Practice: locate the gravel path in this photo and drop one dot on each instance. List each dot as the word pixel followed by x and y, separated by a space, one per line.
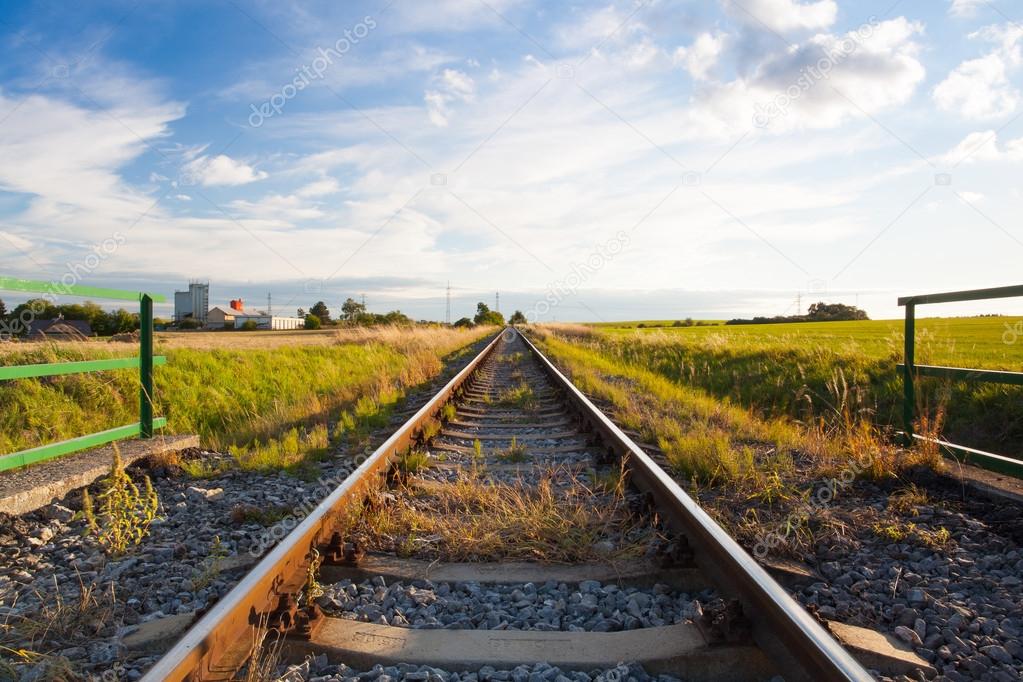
pixel 588 606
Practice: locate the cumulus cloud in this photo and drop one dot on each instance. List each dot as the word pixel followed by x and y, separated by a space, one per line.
pixel 700 57
pixel 980 88
pixel 784 15
pixel 220 170
pixel 820 82
pixel 451 86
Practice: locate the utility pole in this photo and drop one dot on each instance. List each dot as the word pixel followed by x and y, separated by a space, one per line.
pixel 269 304
pixel 364 301
pixel 799 303
pixel 447 310
pixel 497 301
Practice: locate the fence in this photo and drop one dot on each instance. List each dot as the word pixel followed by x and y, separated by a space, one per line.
pixel 145 362
pixel 911 371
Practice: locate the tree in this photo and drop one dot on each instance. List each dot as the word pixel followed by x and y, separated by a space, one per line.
pixel 321 311
pixel 829 312
pixel 463 322
pixel 301 312
pixel 312 322
pixel 352 310
pixel 517 318
pixel 484 315
pixel 3 310
pixel 250 326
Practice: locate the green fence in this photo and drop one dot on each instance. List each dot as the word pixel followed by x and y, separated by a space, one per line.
pixel 145 362
pixel 911 371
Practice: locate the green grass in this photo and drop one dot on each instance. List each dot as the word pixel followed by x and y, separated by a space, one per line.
pixel 271 405
pixel 824 370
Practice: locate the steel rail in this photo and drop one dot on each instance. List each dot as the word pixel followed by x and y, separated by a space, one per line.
pixel 781 627
pixel 216 645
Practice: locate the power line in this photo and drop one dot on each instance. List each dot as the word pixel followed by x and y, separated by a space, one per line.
pixel 447 312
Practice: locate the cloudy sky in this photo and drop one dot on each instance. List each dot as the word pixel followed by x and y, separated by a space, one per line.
pixel 589 160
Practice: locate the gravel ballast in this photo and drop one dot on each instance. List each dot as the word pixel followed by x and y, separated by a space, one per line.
pixel 587 606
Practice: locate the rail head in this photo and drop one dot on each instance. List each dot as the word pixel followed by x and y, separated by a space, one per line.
pixel 222 632
pixel 786 629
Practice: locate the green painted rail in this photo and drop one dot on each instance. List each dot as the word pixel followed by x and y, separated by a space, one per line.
pixel 59 368
pixel 145 362
pixel 912 371
pixel 52 450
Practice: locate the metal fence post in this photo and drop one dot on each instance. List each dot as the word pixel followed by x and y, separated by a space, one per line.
pixel 908 371
pixel 146 366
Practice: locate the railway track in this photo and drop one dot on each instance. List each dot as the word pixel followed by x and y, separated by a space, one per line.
pixel 509 523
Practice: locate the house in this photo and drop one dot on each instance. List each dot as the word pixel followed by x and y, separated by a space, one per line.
pixel 236 316
pixel 59 329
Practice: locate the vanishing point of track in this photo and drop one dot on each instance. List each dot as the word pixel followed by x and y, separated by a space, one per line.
pixel 752 630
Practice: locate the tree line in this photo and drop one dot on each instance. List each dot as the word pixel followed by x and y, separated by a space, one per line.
pixel 818 312
pixel 103 322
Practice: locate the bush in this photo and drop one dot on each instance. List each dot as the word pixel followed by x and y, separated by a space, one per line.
pixel 249 326
pixel 189 323
pixel 312 322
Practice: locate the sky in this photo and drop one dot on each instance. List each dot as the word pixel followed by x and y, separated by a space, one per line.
pixel 633 159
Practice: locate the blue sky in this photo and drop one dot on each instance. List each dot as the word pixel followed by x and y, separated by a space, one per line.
pixel 589 160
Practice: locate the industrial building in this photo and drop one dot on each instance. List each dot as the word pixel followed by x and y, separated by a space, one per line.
pixel 192 304
pixel 235 317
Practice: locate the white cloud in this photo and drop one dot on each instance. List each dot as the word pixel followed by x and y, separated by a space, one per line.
pixel 964 8
pixel 700 57
pixel 978 89
pixel 867 72
pixel 983 146
pixel 182 197
pixel 452 85
pixel 319 188
pixel 220 170
pixel 15 241
pixel 784 15
pixel 276 206
pixel 972 197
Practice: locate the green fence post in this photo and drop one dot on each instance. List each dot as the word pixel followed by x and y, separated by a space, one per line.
pixel 146 366
pixel 909 392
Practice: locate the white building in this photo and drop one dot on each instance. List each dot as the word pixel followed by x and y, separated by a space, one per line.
pixel 264 321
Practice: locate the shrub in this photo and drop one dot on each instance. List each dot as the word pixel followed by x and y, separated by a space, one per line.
pixel 249 326
pixel 312 322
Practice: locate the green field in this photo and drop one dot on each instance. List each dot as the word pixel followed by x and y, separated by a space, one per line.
pixel 828 370
pixel 962 342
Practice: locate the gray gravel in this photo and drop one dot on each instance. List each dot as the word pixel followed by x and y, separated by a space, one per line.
pixel 959 606
pixel 587 606
pixel 320 670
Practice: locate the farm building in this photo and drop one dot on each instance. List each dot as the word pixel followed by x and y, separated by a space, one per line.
pixel 236 316
pixel 59 329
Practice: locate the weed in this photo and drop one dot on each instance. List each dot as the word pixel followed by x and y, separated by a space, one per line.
pixel 521 396
pixel 242 514
pixel 412 461
pixel 267 648
pixel 477 449
pixel 906 500
pixel 313 588
pixel 448 412
pixel 124 513
pixel 431 428
pixel 515 453
pixel 211 564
